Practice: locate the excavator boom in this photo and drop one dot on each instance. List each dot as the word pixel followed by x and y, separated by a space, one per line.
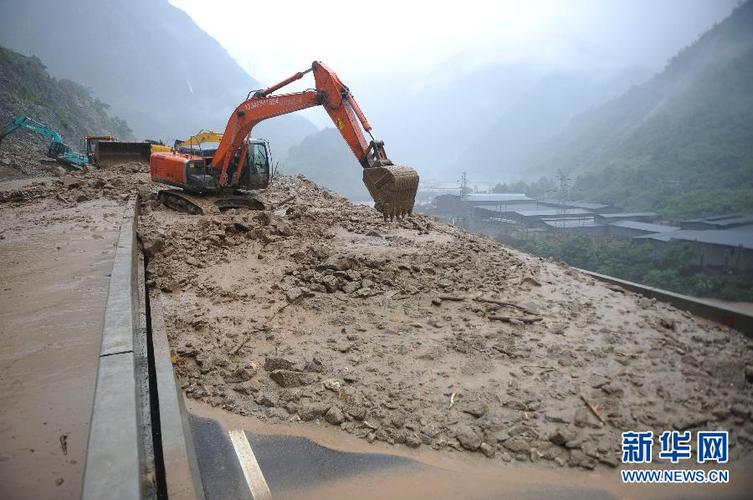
pixel 393 188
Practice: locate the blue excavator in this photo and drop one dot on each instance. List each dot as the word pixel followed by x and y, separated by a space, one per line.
pixel 57 150
pixel 101 150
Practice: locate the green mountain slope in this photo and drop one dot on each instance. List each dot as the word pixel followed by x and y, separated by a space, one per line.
pixel 27 89
pixel 682 142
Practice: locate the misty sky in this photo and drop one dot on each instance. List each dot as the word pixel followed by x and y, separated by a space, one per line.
pixel 414 41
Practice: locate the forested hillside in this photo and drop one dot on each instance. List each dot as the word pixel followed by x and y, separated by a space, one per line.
pixel 681 143
pixel 27 89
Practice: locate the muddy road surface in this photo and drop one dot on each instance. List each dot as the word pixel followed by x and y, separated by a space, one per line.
pixel 56 263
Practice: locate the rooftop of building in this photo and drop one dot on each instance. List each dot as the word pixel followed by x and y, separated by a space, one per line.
pixel 734 237
pixel 644 226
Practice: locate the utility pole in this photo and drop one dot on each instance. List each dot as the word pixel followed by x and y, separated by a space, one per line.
pixel 564 187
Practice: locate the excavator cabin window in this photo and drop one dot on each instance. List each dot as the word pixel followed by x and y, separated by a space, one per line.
pixel 259 160
pixel 256 175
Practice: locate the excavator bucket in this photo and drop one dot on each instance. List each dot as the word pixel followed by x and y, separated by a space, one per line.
pixel 393 188
pixel 109 153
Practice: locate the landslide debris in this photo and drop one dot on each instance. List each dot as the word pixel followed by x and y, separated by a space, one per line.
pixel 416 333
pixel 69 188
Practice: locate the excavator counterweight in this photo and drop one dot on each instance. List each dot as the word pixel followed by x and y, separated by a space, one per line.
pixel 241 163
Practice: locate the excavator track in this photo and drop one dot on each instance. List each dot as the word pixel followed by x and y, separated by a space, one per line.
pixel 207 204
pixel 393 188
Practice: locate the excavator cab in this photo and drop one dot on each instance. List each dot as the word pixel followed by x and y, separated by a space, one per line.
pixel 258 165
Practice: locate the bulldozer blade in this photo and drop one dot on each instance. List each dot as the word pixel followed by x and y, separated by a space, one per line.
pixel 108 153
pixel 393 189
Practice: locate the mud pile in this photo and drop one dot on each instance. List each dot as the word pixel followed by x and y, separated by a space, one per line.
pixel 419 334
pixel 118 183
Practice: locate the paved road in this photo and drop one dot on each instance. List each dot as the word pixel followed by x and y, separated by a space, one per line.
pixel 296 467
pixel 283 466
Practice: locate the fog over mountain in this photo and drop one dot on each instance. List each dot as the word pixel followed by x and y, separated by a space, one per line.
pixel 484 90
pixel 682 142
pixel 156 68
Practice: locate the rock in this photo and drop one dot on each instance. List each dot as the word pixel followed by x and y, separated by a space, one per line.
pixel 345 263
pixel 584 418
pixel 365 292
pixel 153 247
pixel 310 411
pixel 247 388
pixel 558 328
pixel 487 450
pixel 475 408
pixel 294 294
pixel 684 422
pixel 334 416
pixel 144 192
pixel 289 394
pixel 331 283
pixel 288 378
pixel 467 437
pixel 168 285
pixel 272 363
pixel 350 287
pixel 315 366
pixel 265 399
pixel 357 412
pixel 70 182
pixel 721 412
pixel 517 445
pixel 580 459
pixel 332 384
pixel 561 436
pixel 412 440
pixel 398 420
pixel 281 227
pixel 239 375
pixel 749 373
pixel 556 417
pixel 667 323
pixel 740 411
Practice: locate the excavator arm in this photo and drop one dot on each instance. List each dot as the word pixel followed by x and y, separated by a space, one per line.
pixel 199 138
pixel 393 188
pixel 56 150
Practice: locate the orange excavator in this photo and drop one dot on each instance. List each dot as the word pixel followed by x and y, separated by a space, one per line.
pixel 240 165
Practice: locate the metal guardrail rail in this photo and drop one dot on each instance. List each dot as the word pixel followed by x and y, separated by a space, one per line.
pixel 140 444
pixel 732 318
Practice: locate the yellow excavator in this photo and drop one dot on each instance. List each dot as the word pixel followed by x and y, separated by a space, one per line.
pixel 195 141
